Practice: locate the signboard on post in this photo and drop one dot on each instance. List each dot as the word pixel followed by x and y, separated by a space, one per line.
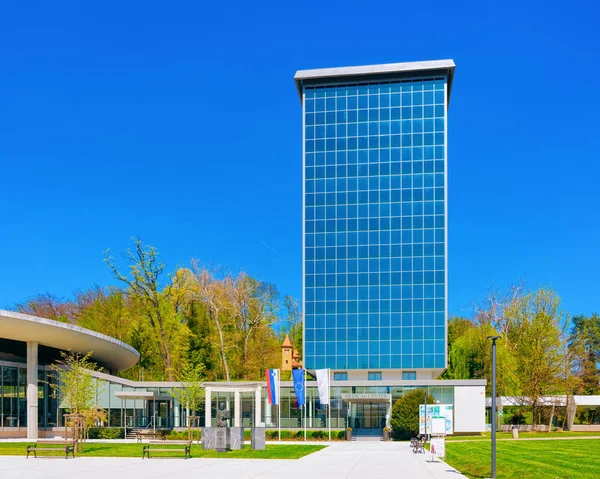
pixel 440 419
pixel 438 447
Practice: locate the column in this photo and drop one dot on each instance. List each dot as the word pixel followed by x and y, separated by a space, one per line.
pixel 257 407
pixel 32 390
pixel 237 412
pixel 207 407
pixel 176 413
pixel 268 412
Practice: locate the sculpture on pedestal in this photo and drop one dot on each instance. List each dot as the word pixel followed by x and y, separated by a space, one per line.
pixel 222 416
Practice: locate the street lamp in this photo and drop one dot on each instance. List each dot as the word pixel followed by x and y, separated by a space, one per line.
pixel 493 338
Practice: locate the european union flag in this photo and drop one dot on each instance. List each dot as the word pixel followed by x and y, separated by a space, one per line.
pixel 298 377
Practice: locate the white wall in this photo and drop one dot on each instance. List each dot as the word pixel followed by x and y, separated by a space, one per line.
pixel 469 409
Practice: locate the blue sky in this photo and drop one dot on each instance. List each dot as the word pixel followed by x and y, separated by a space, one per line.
pixel 179 122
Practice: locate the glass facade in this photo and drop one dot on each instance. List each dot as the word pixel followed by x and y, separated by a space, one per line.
pixel 375 224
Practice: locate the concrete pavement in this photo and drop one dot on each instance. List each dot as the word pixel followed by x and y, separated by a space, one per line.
pixel 355 460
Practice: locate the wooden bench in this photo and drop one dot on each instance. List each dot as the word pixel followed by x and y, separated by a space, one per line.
pixel 184 446
pixel 149 434
pixel 52 445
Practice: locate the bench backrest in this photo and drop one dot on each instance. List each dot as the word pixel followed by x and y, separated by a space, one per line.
pixel 170 442
pixel 54 442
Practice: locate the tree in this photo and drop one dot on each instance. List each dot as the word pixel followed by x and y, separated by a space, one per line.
pixel 293 322
pixel 191 392
pixel 49 306
pixel 160 308
pixel 584 342
pixel 536 337
pixel 73 383
pixel 215 293
pixel 254 305
pixel 405 414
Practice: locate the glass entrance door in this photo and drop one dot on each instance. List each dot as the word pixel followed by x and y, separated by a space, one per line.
pixel 370 415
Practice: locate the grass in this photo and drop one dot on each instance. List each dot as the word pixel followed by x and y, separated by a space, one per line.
pixel 535 435
pixel 574 459
pixel 272 451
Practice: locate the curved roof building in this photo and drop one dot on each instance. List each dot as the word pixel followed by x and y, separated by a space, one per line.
pixel 33 342
pixel 17 330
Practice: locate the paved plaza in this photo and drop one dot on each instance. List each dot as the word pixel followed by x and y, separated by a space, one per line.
pixel 357 460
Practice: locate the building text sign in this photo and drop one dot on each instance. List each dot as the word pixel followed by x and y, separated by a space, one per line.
pixel 380 396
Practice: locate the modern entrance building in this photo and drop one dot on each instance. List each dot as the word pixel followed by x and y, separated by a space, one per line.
pixel 28 408
pixel 375 218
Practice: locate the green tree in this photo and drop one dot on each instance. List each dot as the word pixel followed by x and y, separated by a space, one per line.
pixel 159 307
pixel 584 342
pixel 73 383
pixel 405 414
pixel 191 392
pixel 536 338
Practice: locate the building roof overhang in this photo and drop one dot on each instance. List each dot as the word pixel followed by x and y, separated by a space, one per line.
pixel 108 352
pixel 374 73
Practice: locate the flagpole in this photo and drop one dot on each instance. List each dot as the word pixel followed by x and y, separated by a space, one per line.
pixel 329 405
pixel 279 402
pixel 304 405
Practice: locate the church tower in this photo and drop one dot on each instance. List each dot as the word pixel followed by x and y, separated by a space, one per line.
pixel 286 354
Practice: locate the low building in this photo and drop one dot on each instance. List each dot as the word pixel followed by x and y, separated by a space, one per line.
pixel 29 345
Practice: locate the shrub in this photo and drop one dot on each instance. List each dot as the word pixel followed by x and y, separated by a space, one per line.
pixel 183 435
pixel 405 414
pixel 106 433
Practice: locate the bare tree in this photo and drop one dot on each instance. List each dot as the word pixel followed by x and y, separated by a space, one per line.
pixel 254 304
pixel 495 307
pixel 213 293
pixel 49 306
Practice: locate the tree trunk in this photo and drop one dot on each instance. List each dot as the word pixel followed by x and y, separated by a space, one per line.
pixel 223 354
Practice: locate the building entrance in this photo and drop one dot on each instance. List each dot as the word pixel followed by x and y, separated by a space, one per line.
pixel 368 415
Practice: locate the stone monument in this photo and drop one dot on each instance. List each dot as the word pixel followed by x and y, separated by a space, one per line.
pixel 222 431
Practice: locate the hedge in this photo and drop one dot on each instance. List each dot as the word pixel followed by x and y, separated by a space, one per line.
pixel 106 433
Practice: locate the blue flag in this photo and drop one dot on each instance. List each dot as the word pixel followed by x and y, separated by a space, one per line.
pixel 298 376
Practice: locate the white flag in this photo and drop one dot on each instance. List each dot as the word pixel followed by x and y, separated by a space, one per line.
pixel 323 384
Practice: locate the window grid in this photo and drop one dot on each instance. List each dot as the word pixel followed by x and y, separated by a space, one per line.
pixel 375 225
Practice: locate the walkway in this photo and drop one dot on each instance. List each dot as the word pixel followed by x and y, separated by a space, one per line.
pixel 356 460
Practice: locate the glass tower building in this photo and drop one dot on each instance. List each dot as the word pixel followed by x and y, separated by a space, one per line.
pixel 375 218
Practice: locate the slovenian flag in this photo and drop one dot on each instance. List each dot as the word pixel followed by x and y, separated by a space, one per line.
pixel 273 385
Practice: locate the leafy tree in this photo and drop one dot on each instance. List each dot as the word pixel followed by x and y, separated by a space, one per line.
pixel 73 383
pixel 191 392
pixel 159 307
pixel 584 342
pixel 536 337
pixel 405 414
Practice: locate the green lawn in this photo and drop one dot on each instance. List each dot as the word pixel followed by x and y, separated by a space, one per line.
pixel 575 459
pixel 283 451
pixel 508 435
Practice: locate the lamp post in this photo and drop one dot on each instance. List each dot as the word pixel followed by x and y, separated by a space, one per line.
pixel 494 339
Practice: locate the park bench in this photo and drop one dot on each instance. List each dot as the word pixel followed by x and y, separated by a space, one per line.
pixel 52 445
pixel 146 433
pixel 167 446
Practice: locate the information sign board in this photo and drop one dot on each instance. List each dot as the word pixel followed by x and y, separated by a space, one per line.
pixel 437 412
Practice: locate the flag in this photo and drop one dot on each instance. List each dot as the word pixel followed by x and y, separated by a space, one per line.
pixel 273 385
pixel 298 377
pixel 323 385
